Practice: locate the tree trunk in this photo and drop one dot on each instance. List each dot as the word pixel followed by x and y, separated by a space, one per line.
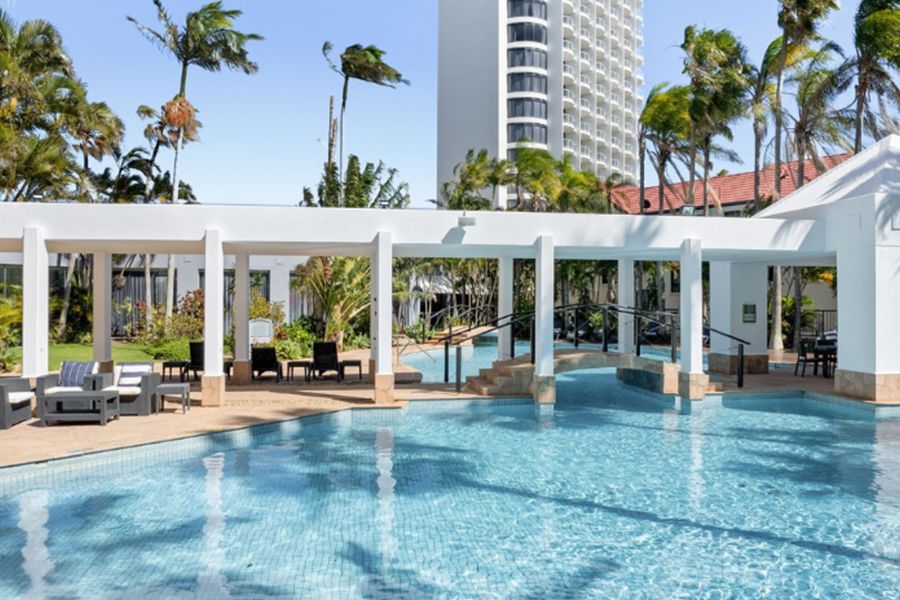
pixel 757 165
pixel 775 341
pixel 148 293
pixel 341 142
pixel 62 321
pixel 642 151
pixel 860 108
pixel 706 144
pixel 692 172
pixel 779 117
pixel 661 175
pixel 170 288
pixel 660 287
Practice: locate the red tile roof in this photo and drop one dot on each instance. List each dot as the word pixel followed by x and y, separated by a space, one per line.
pixel 728 189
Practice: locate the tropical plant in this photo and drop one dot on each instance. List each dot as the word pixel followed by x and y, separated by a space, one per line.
pixel 665 121
pixel 716 64
pixel 363 63
pixel 369 186
pixel 760 107
pixel 876 34
pixel 799 21
pixel 339 288
pixel 209 41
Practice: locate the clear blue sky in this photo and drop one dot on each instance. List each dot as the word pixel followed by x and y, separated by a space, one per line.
pixel 260 137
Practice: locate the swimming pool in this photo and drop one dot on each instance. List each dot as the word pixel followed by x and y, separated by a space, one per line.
pixel 617 494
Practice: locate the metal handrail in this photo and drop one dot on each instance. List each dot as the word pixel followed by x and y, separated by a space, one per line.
pixel 514 318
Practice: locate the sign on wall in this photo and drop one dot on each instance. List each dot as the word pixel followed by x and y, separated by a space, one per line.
pixel 749 313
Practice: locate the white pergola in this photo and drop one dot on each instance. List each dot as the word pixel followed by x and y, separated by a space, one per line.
pixel 847 217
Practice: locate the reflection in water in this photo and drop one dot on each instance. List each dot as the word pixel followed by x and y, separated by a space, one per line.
pixel 384 462
pixel 886 466
pixel 33 517
pixel 698 426
pixel 211 583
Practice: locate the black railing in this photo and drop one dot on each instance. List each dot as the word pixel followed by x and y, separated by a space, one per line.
pixel 661 319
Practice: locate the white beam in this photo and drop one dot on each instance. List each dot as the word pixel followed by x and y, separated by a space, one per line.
pixel 213 294
pixel 35 303
pixel 505 276
pixel 241 307
pixel 626 298
pixel 382 264
pixel 543 306
pixel 691 309
pixel 102 313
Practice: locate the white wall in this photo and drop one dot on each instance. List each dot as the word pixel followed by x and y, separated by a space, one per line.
pixel 471 84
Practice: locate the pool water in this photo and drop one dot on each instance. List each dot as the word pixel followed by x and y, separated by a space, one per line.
pixel 616 494
pixel 483 353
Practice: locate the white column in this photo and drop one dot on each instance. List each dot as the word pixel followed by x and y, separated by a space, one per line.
pixel 738 297
pixel 373 316
pixel 543 308
pixel 241 307
pixel 102 313
pixel 35 303
pixel 214 319
pixel 691 309
pixel 505 272
pixel 868 321
pixel 383 301
pixel 626 298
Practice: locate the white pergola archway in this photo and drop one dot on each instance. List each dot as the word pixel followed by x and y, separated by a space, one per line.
pixel 809 228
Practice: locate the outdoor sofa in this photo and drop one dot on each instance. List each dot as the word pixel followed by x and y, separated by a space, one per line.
pixel 15 401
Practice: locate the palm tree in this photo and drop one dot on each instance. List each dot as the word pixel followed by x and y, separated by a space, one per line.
pixel 815 126
pixel 605 188
pixel 717 66
pixel 207 40
pixel 666 120
pixel 799 21
pixel 339 288
pixel 876 31
pixel 643 135
pixel 760 106
pixel 363 63
pixel 98 133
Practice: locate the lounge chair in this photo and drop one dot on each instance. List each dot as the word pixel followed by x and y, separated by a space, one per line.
pixel 136 384
pixel 72 377
pixel 806 354
pixel 263 360
pixel 325 358
pixel 15 401
pixel 196 364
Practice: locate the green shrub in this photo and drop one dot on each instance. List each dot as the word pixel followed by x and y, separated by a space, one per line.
pixel 7 360
pixel 356 341
pixel 178 349
pixel 419 331
pixel 291 350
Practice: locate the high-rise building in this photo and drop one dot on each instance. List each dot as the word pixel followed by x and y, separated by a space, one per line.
pixel 565 74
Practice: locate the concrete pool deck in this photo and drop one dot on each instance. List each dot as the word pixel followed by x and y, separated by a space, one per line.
pixel 266 401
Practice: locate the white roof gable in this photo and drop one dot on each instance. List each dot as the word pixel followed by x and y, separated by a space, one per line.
pixel 873 171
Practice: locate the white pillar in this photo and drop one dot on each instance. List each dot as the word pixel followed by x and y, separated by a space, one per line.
pixel 544 380
pixel 868 321
pixel 373 317
pixel 241 307
pixel 382 265
pixel 738 306
pixel 691 309
pixel 626 298
pixel 505 273
pixel 214 319
pixel 102 313
pixel 35 303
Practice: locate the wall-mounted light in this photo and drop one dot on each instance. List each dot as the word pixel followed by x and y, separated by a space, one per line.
pixel 466 221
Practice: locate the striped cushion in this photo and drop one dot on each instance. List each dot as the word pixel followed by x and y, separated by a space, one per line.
pixel 72 374
pixel 131 375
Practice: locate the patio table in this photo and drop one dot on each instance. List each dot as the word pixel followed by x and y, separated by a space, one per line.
pixel 96 405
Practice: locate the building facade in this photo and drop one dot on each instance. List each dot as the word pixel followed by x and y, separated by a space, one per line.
pixel 564 75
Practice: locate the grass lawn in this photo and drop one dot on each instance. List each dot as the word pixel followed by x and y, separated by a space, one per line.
pixel 83 352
